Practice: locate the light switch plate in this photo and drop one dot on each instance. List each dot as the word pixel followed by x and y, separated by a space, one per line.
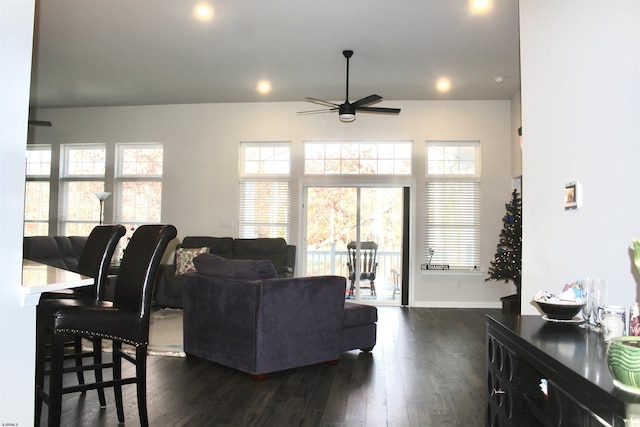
pixel 572 195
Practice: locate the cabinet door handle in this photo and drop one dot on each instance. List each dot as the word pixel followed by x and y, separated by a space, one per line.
pixel 494 392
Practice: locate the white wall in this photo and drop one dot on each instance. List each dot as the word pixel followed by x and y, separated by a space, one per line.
pixel 17 324
pixel 580 113
pixel 201 164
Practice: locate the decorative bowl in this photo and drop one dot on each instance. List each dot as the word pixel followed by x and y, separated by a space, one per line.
pixel 623 359
pixel 559 310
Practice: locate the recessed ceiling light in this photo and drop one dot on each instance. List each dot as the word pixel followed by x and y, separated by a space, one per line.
pixel 264 87
pixel 443 85
pixel 203 11
pixel 480 6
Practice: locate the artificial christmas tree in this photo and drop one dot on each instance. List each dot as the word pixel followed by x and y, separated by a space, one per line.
pixel 507 263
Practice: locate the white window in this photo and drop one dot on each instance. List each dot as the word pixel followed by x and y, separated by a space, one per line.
pixel 82 173
pixel 265 188
pixel 138 184
pixel 36 201
pixel 359 158
pixel 452 204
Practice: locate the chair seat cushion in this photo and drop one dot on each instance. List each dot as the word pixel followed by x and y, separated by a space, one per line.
pixel 86 316
pixel 358 314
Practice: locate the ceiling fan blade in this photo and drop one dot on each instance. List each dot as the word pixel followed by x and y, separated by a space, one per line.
pixel 324 110
pixel 321 102
pixel 367 100
pixel 379 110
pixel 45 123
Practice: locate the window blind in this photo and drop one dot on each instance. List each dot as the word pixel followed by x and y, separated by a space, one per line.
pixel 264 209
pixel 452 223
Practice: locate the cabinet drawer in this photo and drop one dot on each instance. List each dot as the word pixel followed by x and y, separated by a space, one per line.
pixel 501 359
pixel 566 412
pixel 501 408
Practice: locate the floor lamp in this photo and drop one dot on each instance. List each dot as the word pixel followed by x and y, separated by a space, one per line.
pixel 102 196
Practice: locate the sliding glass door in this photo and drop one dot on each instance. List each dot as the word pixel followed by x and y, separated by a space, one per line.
pixel 356 232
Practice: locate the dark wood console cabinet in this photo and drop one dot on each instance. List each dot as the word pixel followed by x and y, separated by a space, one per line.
pixel 523 350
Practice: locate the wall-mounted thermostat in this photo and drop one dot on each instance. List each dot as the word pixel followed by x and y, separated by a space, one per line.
pixel 572 195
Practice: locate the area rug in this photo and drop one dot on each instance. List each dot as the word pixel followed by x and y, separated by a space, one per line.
pixel 165 335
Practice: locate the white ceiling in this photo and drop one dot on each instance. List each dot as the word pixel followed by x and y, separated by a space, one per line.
pixel 144 52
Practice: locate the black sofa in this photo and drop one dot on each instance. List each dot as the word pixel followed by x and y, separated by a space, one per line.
pixel 62 252
pixel 170 284
pixel 58 251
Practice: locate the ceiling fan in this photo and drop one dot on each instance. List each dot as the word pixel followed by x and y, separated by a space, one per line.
pixel 347 110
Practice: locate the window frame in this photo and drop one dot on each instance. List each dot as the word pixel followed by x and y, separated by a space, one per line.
pixel 463 220
pixel 351 158
pixel 41 225
pixel 66 178
pixel 249 227
pixel 120 179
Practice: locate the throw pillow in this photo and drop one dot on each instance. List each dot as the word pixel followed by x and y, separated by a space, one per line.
pixel 184 259
pixel 217 266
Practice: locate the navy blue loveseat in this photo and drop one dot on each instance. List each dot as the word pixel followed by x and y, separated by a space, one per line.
pixel 240 314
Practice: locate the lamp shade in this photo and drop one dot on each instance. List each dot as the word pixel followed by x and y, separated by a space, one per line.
pixel 102 195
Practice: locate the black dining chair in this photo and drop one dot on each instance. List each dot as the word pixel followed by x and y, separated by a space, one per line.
pixel 368 265
pixel 94 261
pixel 123 320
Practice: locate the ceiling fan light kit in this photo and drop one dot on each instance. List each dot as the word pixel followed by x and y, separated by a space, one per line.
pixel 346 113
pixel 347 110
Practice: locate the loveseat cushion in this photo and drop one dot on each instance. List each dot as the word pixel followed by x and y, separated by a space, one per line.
pixel 216 266
pixel 358 314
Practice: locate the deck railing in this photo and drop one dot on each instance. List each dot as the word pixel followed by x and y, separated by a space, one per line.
pixel 334 262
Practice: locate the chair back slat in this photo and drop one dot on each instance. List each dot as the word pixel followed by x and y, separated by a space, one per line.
pixel 368 255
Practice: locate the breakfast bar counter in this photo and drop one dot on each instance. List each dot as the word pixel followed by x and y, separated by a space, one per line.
pixel 38 278
pixel 526 354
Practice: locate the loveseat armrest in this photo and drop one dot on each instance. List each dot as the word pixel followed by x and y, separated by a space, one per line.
pixel 262 326
pixel 297 320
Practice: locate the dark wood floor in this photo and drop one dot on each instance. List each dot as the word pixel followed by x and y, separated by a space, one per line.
pixel 426 370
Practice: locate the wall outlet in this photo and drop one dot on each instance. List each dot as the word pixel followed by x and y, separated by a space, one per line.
pixel 458 283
